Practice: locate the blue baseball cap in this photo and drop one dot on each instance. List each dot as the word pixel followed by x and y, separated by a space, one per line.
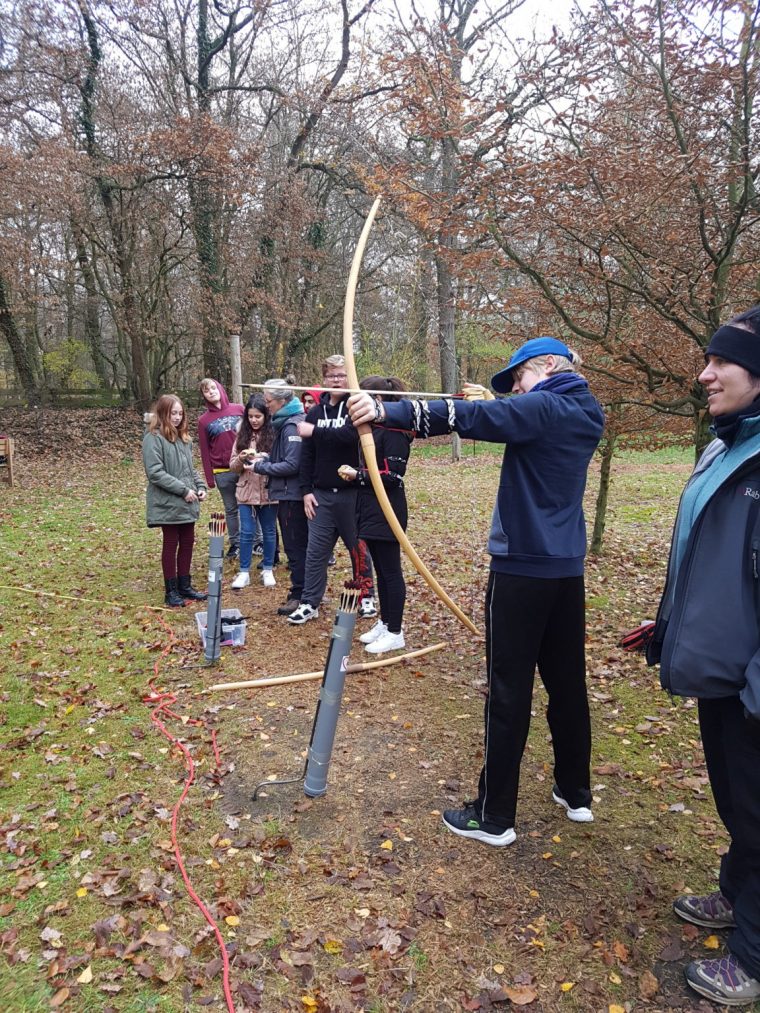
pixel 502 381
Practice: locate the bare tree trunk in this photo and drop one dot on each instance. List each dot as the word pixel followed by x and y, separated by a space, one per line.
pixel 91 315
pixel 702 434
pixel 25 357
pixel 107 189
pixel 608 452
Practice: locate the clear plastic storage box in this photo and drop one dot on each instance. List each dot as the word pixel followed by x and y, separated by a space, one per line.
pixel 233 634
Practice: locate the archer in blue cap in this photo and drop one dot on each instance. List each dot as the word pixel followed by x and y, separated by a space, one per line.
pixel 502 382
pixel 535 601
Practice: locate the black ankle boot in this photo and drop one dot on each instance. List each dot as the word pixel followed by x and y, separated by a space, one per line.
pixel 173 599
pixel 187 590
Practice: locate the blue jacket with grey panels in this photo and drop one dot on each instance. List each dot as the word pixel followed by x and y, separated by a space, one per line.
pixel 707 633
pixel 551 433
pixel 284 461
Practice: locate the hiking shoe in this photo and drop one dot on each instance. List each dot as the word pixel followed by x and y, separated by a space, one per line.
pixel 387 642
pixel 723 980
pixel 367 608
pixel 290 606
pixel 242 580
pixel 232 553
pixel 712 911
pixel 467 823
pixel 375 633
pixel 580 815
pixel 267 578
pixel 303 614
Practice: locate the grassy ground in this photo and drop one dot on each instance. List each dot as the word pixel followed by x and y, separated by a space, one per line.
pixel 359 900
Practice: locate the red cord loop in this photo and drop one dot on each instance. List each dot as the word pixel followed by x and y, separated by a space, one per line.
pixel 163 701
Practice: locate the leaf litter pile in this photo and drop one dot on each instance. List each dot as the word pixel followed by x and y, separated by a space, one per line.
pixel 360 900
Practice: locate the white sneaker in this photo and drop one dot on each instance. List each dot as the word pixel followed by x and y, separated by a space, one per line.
pixel 580 815
pixel 386 642
pixel 367 608
pixel 375 633
pixel 303 614
pixel 242 580
pixel 267 578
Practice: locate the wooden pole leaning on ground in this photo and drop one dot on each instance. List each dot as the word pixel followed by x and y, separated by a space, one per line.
pixel 363 666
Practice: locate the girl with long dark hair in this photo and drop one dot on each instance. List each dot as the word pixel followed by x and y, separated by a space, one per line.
pixel 254 442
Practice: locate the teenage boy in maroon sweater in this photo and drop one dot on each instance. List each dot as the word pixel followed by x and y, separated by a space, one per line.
pixel 217 432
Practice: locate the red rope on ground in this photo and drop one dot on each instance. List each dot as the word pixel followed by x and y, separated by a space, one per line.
pixel 163 701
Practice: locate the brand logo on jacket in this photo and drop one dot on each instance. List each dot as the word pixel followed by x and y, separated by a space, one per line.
pixel 336 423
pixel 749 491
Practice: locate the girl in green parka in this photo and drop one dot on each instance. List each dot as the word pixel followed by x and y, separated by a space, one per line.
pixel 175 490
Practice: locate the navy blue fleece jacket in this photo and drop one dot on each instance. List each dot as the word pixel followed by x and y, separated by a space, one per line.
pixel 538 528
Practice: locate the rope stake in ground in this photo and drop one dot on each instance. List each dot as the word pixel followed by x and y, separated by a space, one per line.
pixel 216 530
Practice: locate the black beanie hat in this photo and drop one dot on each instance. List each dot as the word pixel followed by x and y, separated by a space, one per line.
pixel 739 341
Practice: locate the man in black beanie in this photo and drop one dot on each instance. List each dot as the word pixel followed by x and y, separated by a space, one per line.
pixel 707 643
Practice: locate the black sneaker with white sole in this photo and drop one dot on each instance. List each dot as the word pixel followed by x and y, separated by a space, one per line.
pixel 582 814
pixel 467 823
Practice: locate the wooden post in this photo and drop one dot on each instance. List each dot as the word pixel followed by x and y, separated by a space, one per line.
pixel 236 369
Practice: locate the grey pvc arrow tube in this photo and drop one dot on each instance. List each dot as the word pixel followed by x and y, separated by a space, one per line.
pixel 328 706
pixel 214 604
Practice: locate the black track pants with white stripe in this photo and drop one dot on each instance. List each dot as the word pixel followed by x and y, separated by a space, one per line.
pixel 534 622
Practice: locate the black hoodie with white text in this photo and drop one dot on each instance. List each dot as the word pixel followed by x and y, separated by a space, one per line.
pixel 320 463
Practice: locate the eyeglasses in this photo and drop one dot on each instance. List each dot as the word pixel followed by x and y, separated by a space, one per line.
pixel 336 376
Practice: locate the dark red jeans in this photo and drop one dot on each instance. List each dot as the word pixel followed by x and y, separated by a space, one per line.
pixel 177 551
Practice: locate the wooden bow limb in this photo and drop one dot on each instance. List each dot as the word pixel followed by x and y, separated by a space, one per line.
pixel 362 666
pixel 365 431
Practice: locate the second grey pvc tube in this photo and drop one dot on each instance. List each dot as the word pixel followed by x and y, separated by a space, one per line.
pixel 328 707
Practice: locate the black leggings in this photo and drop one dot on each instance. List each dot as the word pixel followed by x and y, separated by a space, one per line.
pixel 391 588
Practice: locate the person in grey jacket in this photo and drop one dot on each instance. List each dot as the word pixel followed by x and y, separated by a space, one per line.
pixel 175 490
pixel 282 469
pixel 706 640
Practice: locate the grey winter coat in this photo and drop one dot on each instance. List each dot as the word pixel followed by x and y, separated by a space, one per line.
pixel 171 475
pixel 707 634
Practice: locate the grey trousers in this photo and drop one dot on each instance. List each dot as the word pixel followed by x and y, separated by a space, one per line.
pixel 336 517
pixel 226 483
